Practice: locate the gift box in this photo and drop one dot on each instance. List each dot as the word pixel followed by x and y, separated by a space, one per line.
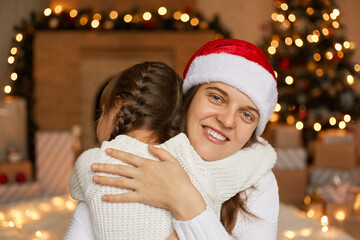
pixel 292 185
pixel 291 158
pixel 283 136
pixel 339 155
pixel 17 172
pixel 320 176
pixel 335 136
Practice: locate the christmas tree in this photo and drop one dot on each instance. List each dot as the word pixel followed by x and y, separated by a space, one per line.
pixel 318 83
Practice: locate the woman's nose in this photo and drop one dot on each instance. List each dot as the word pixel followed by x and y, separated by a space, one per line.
pixel 227 119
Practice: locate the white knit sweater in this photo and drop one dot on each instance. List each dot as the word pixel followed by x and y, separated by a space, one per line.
pixel 217 181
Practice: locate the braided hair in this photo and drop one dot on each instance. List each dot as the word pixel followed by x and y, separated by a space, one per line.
pixel 151 99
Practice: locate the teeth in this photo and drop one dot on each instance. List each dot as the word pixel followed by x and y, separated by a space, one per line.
pixel 215 135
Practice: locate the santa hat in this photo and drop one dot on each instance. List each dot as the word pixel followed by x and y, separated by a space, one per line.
pixel 239 64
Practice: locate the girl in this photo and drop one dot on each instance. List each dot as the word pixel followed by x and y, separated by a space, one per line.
pixel 220 120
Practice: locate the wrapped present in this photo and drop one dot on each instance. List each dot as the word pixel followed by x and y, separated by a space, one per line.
pixel 283 136
pixel 292 185
pixel 291 158
pixel 17 172
pixel 55 157
pixel 320 176
pixel 15 192
pixel 335 136
pixel 339 155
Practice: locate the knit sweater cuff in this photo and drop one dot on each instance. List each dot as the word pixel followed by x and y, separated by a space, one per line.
pixel 204 226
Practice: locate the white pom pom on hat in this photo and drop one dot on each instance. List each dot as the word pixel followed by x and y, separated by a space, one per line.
pixel 239 64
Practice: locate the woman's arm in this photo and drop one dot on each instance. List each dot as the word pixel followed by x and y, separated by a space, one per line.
pixel 80 227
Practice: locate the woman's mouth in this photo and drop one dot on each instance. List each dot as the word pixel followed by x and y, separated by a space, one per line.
pixel 214 136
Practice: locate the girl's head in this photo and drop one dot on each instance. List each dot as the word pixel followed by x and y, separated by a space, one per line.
pixel 147 96
pixel 230 95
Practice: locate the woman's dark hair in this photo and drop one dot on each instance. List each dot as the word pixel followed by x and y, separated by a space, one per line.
pixel 230 208
pixel 151 99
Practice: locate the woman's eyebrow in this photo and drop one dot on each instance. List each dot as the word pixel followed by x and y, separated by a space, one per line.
pixel 218 89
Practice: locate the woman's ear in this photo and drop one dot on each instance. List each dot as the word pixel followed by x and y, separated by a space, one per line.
pixel 118 103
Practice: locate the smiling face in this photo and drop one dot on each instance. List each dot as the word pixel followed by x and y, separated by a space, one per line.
pixel 220 121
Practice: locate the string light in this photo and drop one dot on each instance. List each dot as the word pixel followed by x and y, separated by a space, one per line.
pixel 317 126
pixel 347 118
pixel 113 15
pixel 288 41
pixel 11 60
pixel 325 31
pixel 310 10
pixel 357 67
pixel 274 43
pixel 83 20
pixel 97 16
pixel 317 57
pixel 315 38
pixel 289 80
pixel 14 50
pixel 47 12
pixel 335 24
pixel 194 22
pixel 73 13
pixel 7 89
pixel 277 107
pixel 340 215
pixel 272 50
pixel 326 17
pixel 336 12
pixel 310 213
pixel 332 16
pixel 58 9
pixel 292 17
pixel 128 18
pixel 185 17
pixel 147 16
pixel 274 16
pixel 332 121
pixel 289 234
pixel 290 119
pixel 338 46
pixel 299 42
pixel 177 15
pixel 162 11
pixel 329 55
pixel 299 125
pixel 346 45
pixel 350 79
pixel 19 37
pixel 14 76
pixel 274 117
pixel 280 18
pixel 342 125
pixel 276 74
pixel 95 23
pixel 319 72
pixel 306 232
pixel 324 222
pixel 284 6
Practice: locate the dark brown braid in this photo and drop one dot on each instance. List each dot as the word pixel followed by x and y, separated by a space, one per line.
pixel 151 98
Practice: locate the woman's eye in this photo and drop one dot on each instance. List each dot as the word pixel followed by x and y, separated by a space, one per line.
pixel 216 98
pixel 247 115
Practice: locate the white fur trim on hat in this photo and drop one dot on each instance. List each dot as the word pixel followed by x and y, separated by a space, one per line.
pixel 247 76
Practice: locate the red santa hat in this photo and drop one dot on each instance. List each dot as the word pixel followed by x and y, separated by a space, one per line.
pixel 239 64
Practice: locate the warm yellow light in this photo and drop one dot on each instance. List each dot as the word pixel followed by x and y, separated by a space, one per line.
pixel 219 36
pixel 329 55
pixel 274 16
pixel 291 107
pixel 83 21
pixel 292 17
pixel 194 22
pixel 288 41
pixel 128 18
pixel 47 12
pixel 347 118
pixel 14 76
pixel 95 23
pixel 325 31
pixel 147 16
pixel 73 13
pixel 97 16
pixel 317 126
pixel 326 16
pixel 272 50
pixel 310 10
pixel 11 224
pixel 274 43
pixel 280 18
pixel 317 57
pixel 352 45
pixel 335 24
pixel 324 220
pixel 286 24
pixel 299 125
pixel 314 38
pixel 113 15
pixel 316 32
pixel 7 89
pixel 332 121
pixel 204 25
pixel 13 50
pixel 346 44
pixel 340 54
pixel 319 72
pixel 290 119
pixel 299 42
pixel 38 234
pixel 342 125
pixel 357 202
pixel 310 213
pixel 289 234
pixel 336 12
pixel 325 228
pixel 350 79
pixel 177 15
pixel 338 46
pixel 307 200
pixel 309 38
pixel 58 9
pixel 11 60
pixel 284 6
pixel 332 16
pixel 70 205
pixel 289 80
pixel 19 37
pixel 2 216
pixel 185 17
pixel 162 11
pixel 276 74
pixel 357 67
pixel 277 107
pixel 306 232
pixel 274 117
pixel 340 215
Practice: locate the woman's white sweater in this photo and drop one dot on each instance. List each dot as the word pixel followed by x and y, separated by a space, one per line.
pixel 217 181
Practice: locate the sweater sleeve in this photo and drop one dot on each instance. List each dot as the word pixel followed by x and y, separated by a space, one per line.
pixel 263 201
pixel 80 227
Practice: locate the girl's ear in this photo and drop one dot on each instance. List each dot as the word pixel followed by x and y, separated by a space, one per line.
pixel 118 103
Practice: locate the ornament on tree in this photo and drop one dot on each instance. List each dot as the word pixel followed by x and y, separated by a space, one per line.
pixel 3 179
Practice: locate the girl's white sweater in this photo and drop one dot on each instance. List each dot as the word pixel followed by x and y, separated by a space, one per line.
pixel 217 181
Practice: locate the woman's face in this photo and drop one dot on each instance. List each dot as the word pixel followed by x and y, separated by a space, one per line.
pixel 221 120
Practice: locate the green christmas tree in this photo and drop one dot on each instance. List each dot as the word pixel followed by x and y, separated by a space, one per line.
pixel 318 83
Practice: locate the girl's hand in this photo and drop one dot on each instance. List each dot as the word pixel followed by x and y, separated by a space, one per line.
pixel 162 184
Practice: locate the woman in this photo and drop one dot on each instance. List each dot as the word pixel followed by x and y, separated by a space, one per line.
pixel 233 92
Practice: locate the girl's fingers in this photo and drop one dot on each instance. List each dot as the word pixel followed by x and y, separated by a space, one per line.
pixel 116 169
pixel 125 157
pixel 161 154
pixel 124 197
pixel 119 182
